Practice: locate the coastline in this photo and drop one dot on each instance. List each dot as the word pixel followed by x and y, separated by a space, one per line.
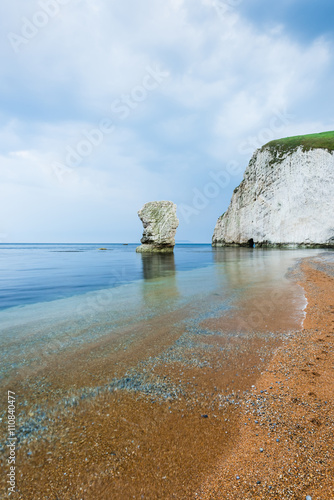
pixel 157 407
pixel 285 448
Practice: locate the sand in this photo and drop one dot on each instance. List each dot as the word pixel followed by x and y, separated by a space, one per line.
pixel 248 415
pixel 286 449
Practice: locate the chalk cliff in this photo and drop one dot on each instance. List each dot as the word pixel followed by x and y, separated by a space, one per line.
pixel 160 223
pixel 285 198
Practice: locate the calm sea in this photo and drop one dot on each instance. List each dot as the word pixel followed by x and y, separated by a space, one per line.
pixel 144 334
pixel 37 273
pixel 32 273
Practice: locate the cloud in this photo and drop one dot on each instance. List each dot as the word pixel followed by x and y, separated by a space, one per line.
pixel 226 80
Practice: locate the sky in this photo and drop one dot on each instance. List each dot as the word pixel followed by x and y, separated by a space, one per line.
pixel 106 105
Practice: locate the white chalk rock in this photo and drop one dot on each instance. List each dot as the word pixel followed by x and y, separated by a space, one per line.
pixel 285 199
pixel 160 223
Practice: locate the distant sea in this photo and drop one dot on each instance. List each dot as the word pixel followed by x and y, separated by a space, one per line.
pixel 36 273
pixel 32 273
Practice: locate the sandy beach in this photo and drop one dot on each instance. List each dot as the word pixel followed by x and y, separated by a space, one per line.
pixel 239 407
pixel 285 447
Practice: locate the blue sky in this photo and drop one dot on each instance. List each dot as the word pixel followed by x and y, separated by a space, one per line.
pixel 105 105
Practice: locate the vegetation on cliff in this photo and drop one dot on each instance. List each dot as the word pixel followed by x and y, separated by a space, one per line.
pixel 324 140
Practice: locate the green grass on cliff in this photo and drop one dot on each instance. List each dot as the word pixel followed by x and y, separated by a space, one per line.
pixel 325 140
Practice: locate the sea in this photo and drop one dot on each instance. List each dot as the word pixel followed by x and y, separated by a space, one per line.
pixel 43 272
pixel 97 336
pixel 33 273
pixel 46 289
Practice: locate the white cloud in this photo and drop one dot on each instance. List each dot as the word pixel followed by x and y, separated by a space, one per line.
pixel 226 82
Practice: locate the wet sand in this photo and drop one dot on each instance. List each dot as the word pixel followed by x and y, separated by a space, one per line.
pixel 159 441
pixel 162 414
pixel 285 446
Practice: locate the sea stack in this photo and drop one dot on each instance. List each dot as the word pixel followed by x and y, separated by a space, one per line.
pixel 160 223
pixel 285 198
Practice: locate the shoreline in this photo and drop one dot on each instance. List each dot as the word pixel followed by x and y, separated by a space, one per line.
pixel 152 409
pixel 285 450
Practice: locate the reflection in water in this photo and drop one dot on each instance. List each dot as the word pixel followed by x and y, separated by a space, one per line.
pixel 157 265
pixel 227 254
pixel 266 296
pixel 249 266
pixel 244 266
pixel 159 288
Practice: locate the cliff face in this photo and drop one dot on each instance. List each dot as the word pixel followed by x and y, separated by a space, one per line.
pixel 285 199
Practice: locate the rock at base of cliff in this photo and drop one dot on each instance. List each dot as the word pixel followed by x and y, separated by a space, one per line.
pixel 154 249
pixel 160 223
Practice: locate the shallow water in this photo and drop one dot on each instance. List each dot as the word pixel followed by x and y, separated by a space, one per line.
pixel 32 273
pixel 178 330
pixel 208 282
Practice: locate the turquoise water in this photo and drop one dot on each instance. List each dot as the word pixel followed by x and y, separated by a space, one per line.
pixel 66 295
pixel 70 276
pixel 69 304
pixel 32 273
pixel 80 326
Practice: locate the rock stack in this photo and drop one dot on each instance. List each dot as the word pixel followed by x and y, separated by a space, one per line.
pixel 160 223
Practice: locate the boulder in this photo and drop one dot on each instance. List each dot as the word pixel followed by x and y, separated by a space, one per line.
pixel 160 223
